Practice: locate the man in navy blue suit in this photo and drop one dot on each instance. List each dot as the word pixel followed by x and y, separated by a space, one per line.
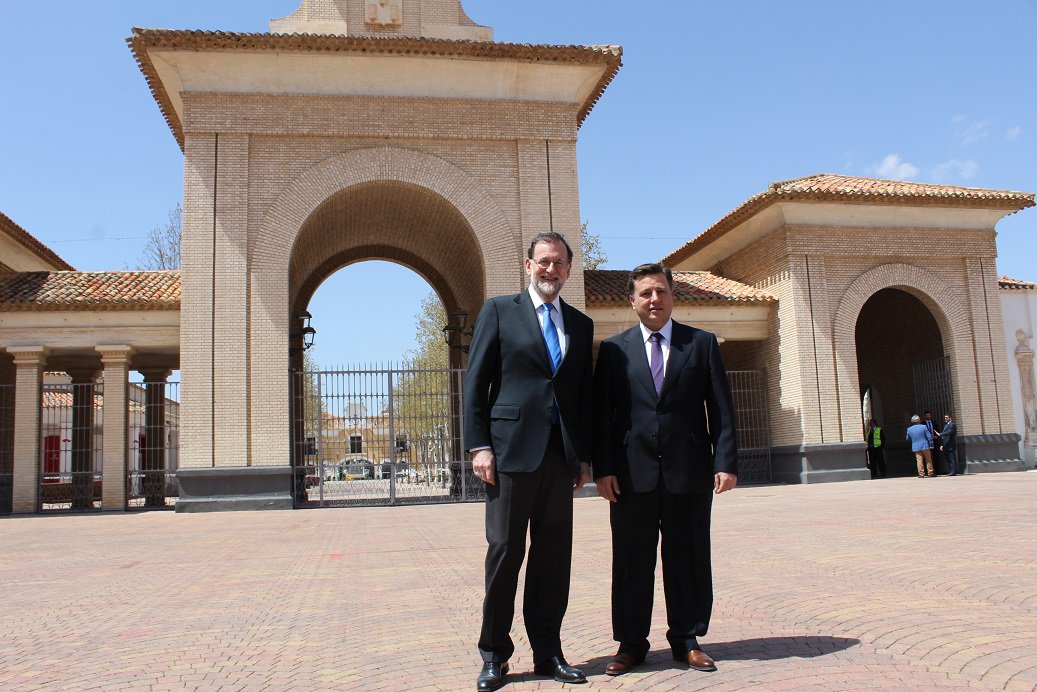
pixel 664 444
pixel 527 421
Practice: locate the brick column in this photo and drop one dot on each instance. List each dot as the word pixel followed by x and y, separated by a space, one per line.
pixel 83 447
pixel 116 360
pixel 153 453
pixel 28 362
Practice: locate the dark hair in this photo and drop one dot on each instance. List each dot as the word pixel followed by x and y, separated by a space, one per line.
pixel 549 237
pixel 643 270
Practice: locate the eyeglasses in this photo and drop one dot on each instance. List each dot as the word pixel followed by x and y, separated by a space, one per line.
pixel 546 264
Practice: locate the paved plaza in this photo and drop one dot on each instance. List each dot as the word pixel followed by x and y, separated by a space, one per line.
pixel 892 584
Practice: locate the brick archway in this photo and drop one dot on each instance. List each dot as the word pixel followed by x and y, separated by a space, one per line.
pixel 950 314
pixel 481 229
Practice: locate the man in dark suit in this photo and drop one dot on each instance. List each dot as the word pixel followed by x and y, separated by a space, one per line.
pixel 664 443
pixel 527 422
pixel 949 444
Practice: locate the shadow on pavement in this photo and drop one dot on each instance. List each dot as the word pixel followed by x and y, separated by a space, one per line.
pixel 771 648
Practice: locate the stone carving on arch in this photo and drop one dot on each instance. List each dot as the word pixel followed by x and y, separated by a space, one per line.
pixel 949 312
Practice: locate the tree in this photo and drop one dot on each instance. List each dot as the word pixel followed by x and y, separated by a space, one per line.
pixel 421 393
pixel 162 248
pixel 593 254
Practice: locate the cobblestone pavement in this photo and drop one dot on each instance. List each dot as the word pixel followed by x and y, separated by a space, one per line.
pixel 891 584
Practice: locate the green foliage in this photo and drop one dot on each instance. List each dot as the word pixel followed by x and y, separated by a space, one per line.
pixel 593 254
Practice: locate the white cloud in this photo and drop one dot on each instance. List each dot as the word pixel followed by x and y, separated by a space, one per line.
pixel 955 169
pixel 893 168
pixel 1013 133
pixel 971 133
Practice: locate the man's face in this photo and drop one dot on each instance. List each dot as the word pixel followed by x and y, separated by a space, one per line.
pixel 946 419
pixel 928 416
pixel 652 301
pixel 548 269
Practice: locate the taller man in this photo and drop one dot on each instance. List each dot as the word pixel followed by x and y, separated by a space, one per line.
pixel 527 426
pixel 664 443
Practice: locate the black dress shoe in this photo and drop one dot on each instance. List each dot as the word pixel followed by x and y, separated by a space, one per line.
pixel 492 676
pixel 557 668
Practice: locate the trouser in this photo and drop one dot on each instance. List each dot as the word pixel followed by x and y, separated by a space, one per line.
pixel 542 502
pixel 952 460
pixel 877 462
pixel 638 519
pixel 924 460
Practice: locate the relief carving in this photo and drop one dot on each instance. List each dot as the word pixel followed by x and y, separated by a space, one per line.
pixel 384 12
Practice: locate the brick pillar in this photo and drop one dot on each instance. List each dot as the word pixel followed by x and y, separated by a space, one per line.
pixel 116 360
pixel 28 362
pixel 83 447
pixel 153 453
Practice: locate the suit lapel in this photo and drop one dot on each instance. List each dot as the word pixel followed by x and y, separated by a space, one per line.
pixel 681 347
pixel 527 317
pixel 638 358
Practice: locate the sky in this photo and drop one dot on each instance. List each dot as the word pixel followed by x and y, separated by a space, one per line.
pixel 741 92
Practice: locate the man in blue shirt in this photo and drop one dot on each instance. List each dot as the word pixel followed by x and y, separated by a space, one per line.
pixel 921 445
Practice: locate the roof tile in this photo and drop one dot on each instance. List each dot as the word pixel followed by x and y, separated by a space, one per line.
pixel 127 290
pixel 609 287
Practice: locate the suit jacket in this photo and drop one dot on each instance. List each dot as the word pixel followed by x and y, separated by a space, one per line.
pixel 509 388
pixel 949 437
pixel 640 436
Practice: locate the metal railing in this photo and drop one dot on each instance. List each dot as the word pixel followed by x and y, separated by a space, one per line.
pixel 749 391
pixel 154 445
pixel 6 448
pixel 71 454
pixel 379 437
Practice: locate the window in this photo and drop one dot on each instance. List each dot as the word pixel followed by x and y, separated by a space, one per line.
pixel 356 444
pixel 401 443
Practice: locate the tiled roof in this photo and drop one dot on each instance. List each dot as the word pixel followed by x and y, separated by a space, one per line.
pixel 170 39
pixel 829 187
pixel 1015 284
pixel 128 290
pixel 609 287
pixel 22 236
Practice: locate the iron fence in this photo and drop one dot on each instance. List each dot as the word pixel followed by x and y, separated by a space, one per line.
pixel 749 391
pixel 154 445
pixel 71 429
pixel 6 448
pixel 379 437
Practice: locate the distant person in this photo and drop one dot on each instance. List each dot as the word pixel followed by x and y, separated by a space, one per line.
pixel 930 425
pixel 949 444
pixel 921 445
pixel 876 439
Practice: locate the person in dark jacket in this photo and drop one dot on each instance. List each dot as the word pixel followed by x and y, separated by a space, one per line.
pixel 949 444
pixel 876 439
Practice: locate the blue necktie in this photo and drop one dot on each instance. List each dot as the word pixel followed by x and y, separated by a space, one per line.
pixel 554 349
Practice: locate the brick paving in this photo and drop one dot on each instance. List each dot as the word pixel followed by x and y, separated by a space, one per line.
pixel 892 584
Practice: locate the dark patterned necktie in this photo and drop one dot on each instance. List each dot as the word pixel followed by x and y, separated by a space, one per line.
pixel 655 363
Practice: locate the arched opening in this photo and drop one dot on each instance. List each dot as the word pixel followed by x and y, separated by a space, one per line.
pixel 385 432
pixel 903 369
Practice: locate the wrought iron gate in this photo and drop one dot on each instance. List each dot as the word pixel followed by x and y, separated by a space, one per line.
pixel 71 427
pixel 749 390
pixel 932 383
pixel 379 437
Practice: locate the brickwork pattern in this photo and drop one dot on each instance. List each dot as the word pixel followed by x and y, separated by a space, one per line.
pixel 115 425
pixel 28 390
pixel 389 598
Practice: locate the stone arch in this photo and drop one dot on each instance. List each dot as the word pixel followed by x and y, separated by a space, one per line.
pixel 272 247
pixel 951 317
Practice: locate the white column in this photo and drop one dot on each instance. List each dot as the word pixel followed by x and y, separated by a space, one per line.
pixel 116 361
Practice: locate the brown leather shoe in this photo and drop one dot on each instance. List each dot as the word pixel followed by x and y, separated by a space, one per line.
pixel 698 660
pixel 622 663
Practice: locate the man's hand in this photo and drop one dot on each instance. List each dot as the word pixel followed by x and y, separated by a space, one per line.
pixel 724 482
pixel 608 487
pixel 484 465
pixel 585 476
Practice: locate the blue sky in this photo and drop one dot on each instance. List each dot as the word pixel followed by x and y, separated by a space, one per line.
pixel 745 92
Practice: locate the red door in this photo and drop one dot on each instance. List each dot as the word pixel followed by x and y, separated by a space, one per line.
pixel 51 455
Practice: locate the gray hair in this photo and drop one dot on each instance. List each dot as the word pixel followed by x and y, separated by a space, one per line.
pixel 916 419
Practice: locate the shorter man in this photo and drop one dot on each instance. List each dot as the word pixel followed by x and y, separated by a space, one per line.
pixel 664 444
pixel 949 444
pixel 921 445
pixel 876 439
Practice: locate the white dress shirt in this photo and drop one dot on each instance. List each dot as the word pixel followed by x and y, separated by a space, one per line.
pixel 666 331
pixel 556 317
